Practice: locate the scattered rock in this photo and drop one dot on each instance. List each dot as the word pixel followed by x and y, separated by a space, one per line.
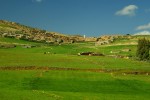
pixel 28 46
pixel 7 46
pixel 90 54
pixel 126 50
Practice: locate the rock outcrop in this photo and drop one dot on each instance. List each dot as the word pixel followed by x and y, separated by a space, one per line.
pixel 18 31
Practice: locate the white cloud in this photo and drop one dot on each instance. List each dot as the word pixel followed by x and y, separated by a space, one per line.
pixel 127 11
pixel 143 27
pixel 143 33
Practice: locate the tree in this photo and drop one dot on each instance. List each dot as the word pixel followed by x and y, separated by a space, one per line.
pixel 143 49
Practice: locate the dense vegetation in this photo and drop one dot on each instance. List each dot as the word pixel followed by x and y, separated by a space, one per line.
pixel 143 49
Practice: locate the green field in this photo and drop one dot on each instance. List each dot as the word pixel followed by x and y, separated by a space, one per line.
pixel 72 84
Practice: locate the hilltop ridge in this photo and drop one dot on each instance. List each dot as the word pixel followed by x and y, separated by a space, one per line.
pixel 23 32
pixel 19 31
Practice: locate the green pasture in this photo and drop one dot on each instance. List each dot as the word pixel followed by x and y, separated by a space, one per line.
pixel 17 41
pixel 72 85
pixel 60 56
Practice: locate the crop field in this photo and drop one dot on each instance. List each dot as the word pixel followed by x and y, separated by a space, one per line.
pixel 56 72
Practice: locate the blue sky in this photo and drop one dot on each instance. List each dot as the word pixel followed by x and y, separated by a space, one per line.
pixel 89 17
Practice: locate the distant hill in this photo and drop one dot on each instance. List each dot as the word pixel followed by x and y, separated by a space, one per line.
pixel 19 31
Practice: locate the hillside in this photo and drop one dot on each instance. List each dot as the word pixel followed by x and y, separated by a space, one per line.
pixel 18 31
pixel 22 32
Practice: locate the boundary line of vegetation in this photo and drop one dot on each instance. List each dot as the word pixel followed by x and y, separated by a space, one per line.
pixel 111 71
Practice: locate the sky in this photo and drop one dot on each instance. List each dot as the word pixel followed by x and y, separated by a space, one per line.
pixel 80 17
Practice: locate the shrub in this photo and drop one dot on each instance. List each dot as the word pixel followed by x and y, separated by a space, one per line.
pixel 143 49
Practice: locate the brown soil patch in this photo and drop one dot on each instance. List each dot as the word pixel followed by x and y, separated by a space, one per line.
pixel 49 68
pixel 112 71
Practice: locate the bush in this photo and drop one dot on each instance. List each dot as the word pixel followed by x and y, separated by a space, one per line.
pixel 143 49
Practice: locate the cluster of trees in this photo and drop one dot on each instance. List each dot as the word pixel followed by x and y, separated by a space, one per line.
pixel 143 49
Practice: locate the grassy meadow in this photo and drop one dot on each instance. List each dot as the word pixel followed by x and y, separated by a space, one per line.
pixel 72 85
pixel 42 84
